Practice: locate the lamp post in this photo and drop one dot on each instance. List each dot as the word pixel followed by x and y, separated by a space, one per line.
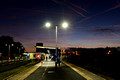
pixel 64 25
pixel 9 49
pixel 56 51
pixel 19 49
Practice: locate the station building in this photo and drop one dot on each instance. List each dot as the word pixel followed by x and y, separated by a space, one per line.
pixel 43 52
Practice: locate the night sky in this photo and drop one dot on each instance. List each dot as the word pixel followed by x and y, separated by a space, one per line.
pixel 92 23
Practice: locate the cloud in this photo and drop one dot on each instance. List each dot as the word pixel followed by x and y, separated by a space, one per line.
pixel 85 19
pixel 116 35
pixel 106 32
pixel 79 7
pixel 78 12
pixel 69 6
pixel 110 25
pixel 98 40
pixel 98 45
pixel 116 25
pixel 105 11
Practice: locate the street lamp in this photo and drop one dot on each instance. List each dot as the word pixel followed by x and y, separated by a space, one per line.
pixel 64 25
pixel 47 24
pixel 19 48
pixel 9 49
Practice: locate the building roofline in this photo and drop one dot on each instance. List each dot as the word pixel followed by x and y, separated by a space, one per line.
pixel 47 47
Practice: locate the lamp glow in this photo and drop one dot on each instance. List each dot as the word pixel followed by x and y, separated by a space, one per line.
pixel 47 24
pixel 65 25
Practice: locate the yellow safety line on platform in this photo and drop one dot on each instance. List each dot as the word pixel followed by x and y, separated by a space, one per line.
pixel 31 71
pixel 80 72
pixel 23 74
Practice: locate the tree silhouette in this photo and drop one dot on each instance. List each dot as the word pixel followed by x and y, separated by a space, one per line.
pixel 16 48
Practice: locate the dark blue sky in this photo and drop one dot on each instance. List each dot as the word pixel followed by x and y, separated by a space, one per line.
pixel 92 23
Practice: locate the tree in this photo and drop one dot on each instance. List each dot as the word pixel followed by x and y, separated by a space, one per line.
pixel 16 48
pixel 4 42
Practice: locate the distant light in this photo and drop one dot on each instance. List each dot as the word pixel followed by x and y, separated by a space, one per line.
pixel 63 52
pixel 109 50
pixel 65 25
pixel 5 44
pixel 12 44
pixel 24 53
pixel 21 47
pixel 47 24
pixel 48 51
pixel 38 55
pixel 68 52
pixel 28 55
pixel 73 52
pixel 108 53
pixel 9 58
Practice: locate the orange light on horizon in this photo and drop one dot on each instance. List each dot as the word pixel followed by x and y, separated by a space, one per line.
pixel 63 52
pixel 68 52
pixel 77 53
pixel 73 52
pixel 109 52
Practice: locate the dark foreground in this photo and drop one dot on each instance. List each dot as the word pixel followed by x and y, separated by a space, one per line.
pixel 47 72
